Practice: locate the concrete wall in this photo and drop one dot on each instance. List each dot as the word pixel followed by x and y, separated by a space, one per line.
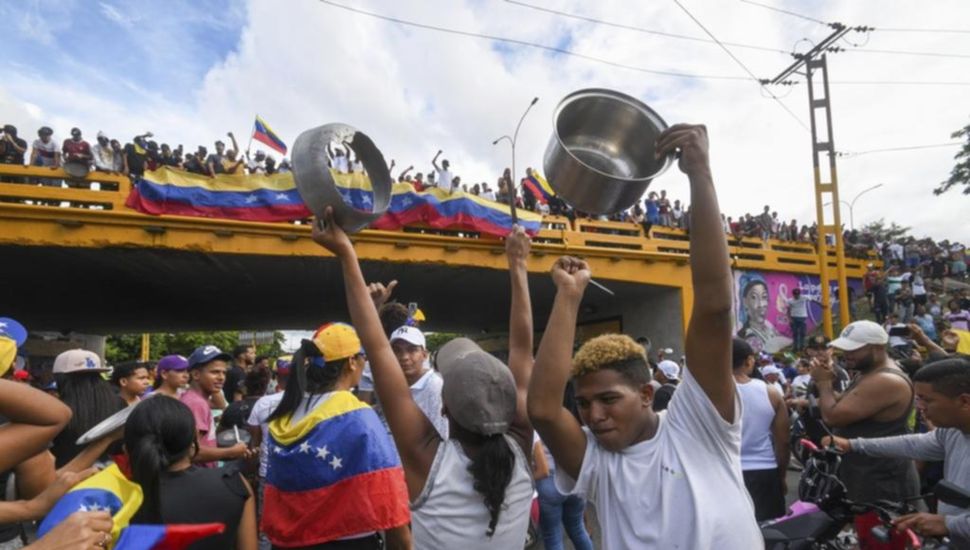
pixel 655 313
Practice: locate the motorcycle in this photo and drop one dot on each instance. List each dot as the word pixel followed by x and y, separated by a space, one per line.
pixel 818 520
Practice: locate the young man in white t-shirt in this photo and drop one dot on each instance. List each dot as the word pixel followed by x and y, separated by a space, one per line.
pixel 445 178
pixel 658 480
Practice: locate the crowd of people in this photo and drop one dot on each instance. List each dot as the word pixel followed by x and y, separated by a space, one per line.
pixel 133 158
pixel 363 439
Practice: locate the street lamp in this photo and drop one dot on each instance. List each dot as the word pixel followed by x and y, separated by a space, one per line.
pixel 512 140
pixel 851 205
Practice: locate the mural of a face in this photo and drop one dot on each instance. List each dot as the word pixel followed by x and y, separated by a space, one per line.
pixel 756 303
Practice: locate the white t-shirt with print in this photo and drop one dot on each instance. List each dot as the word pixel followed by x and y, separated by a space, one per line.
pixel 682 488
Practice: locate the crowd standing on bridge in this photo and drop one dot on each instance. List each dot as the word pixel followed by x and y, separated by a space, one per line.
pixel 365 439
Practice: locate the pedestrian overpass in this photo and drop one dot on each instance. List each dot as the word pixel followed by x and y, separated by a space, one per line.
pixel 77 259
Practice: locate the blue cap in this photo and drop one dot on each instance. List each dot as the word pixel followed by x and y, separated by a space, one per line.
pixel 206 354
pixel 13 330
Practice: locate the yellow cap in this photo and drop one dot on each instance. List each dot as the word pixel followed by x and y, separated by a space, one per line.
pixel 337 341
pixel 8 353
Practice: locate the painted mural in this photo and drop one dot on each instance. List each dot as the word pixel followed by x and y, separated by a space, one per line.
pixel 761 311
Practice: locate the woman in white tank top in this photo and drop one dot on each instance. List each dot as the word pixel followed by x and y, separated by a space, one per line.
pixel 474 490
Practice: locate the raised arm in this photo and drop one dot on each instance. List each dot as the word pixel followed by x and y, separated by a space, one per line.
pixel 34 418
pixel 517 246
pixel 434 161
pixel 235 146
pixel 559 429
pixel 708 343
pixel 414 435
pixel 405 171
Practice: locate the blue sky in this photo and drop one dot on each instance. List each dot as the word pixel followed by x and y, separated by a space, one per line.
pixel 121 49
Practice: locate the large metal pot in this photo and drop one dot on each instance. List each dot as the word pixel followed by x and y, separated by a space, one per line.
pixel 601 157
pixel 316 185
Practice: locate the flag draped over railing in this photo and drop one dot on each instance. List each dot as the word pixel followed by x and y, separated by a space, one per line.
pixel 274 198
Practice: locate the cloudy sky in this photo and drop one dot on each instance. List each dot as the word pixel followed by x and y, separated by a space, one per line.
pixel 192 71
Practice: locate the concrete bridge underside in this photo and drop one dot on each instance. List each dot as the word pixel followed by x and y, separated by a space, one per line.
pixel 127 289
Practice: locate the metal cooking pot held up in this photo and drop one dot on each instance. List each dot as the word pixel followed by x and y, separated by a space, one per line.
pixel 600 158
pixel 315 182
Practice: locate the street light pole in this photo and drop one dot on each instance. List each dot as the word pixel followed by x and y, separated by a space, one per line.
pixel 512 140
pixel 851 205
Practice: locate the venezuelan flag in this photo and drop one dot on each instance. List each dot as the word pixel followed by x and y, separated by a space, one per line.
pixel 258 198
pixel 108 490
pixel 165 537
pixel 264 134
pixel 540 188
pixel 274 198
pixel 436 208
pixel 333 474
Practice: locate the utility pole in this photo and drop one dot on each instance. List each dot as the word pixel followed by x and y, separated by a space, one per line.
pixel 826 190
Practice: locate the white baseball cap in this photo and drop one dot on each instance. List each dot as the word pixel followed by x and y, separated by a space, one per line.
pixel 78 360
pixel 670 369
pixel 770 369
pixel 410 335
pixel 860 333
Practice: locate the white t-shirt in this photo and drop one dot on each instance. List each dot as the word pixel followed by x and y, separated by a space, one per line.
pixel 426 393
pixel 681 489
pixel 798 307
pixel 444 178
pixel 259 416
pixel 799 385
pixel 490 195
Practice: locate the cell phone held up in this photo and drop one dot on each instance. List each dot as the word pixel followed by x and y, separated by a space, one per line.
pixel 900 331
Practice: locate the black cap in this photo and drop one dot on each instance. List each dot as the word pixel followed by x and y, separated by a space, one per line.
pixel 818 342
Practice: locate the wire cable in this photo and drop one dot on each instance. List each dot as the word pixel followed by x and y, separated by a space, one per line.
pixel 708 41
pixel 743 66
pixel 849 154
pixel 798 15
pixel 531 45
pixel 951 31
pixel 641 29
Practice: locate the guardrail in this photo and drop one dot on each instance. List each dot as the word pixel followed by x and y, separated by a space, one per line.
pixel 53 190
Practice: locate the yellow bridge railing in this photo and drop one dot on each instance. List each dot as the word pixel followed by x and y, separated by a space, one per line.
pixel 38 193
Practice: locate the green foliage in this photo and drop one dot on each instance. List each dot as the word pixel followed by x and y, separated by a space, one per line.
pixel 960 175
pixel 124 347
pixel 437 339
pixel 883 233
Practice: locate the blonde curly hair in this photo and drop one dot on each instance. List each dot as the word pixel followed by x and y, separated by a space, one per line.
pixel 604 350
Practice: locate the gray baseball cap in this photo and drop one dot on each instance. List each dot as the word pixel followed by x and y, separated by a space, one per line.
pixel 479 390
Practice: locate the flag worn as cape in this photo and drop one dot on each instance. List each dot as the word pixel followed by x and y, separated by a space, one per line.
pixel 334 473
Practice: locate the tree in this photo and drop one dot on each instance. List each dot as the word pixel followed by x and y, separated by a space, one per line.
pixel 125 347
pixel 960 175
pixel 881 233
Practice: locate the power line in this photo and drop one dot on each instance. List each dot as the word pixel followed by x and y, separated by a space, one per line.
pixel 850 154
pixel 902 82
pixel 666 34
pixel 644 30
pixel 531 45
pixel 901 52
pixel 952 31
pixel 742 65
pixel 798 15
